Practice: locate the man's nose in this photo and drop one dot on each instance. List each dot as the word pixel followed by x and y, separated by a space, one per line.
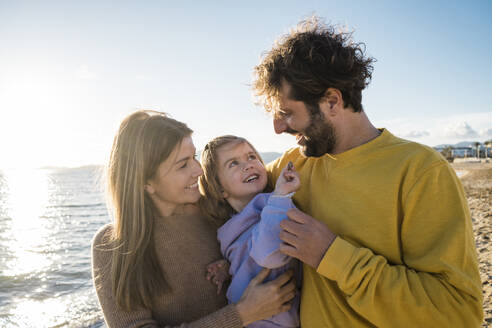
pixel 279 125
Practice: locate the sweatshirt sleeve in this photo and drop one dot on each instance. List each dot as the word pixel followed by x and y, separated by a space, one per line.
pixel 265 239
pixel 438 284
pixel 114 316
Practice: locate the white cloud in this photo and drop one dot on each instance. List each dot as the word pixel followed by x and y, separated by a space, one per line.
pixel 441 130
pixel 460 130
pixel 416 134
pixel 486 132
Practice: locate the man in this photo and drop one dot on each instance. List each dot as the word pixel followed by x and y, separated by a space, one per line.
pixel 385 232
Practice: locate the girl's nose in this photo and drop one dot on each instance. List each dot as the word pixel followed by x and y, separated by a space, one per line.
pixel 247 166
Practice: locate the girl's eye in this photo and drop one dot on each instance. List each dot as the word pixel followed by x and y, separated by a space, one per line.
pixel 184 165
pixel 232 163
pixel 252 157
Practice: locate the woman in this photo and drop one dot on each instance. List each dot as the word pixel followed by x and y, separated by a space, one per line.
pixel 149 266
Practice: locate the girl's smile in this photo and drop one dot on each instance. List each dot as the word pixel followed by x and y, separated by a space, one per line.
pixel 241 173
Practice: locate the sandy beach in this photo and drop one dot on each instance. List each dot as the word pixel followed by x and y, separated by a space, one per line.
pixel 477 181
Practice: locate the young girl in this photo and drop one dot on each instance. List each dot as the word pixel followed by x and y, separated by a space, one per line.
pixel 233 181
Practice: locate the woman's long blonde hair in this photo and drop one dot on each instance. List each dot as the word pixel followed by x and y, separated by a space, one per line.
pixel 144 140
pixel 213 204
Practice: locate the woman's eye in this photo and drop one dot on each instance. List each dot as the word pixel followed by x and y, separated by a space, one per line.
pixel 184 165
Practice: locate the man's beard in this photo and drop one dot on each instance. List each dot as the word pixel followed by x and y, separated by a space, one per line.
pixel 320 137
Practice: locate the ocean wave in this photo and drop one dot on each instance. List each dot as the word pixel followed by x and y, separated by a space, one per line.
pixel 76 205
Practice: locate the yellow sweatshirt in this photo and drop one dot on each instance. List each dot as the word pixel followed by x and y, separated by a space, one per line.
pixel 405 252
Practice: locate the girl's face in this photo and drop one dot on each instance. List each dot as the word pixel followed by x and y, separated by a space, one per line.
pixel 175 182
pixel 241 173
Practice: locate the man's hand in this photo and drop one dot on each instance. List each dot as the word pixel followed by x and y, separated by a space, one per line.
pixel 218 273
pixel 305 238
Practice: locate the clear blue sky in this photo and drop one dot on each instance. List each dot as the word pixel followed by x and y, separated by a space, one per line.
pixel 71 70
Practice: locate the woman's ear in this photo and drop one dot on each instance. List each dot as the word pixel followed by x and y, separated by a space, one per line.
pixel 149 189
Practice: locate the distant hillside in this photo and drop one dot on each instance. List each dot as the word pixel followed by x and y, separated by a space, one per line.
pixel 461 144
pixel 269 156
pixel 266 156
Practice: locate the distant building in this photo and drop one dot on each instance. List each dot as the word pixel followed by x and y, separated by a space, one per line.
pixel 465 152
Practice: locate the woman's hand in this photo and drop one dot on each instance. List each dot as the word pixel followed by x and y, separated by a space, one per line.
pixel 261 301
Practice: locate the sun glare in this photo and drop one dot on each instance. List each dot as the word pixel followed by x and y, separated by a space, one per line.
pixel 34 106
pixel 41 313
pixel 26 203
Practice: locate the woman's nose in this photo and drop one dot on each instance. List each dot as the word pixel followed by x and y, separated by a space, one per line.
pixel 198 171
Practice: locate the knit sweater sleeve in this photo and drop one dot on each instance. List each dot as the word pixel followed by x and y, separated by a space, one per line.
pixel 114 316
pixel 265 241
pixel 438 285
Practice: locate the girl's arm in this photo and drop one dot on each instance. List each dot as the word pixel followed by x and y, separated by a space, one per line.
pixel 265 236
pixel 265 241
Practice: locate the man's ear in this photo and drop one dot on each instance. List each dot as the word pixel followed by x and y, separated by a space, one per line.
pixel 331 102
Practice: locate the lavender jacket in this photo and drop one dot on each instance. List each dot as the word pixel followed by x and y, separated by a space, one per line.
pixel 250 241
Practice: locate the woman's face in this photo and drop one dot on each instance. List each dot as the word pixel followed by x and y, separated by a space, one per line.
pixel 175 182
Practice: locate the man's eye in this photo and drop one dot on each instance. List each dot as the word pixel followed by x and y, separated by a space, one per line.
pixel 282 114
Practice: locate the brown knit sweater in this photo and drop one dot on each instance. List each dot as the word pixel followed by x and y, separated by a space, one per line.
pixel 185 244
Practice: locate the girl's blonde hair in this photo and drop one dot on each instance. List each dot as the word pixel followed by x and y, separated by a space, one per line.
pixel 144 140
pixel 213 204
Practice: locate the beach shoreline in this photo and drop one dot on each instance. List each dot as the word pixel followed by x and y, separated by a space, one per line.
pixel 477 182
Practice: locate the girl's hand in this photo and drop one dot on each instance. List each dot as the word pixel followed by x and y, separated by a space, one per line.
pixel 263 300
pixel 288 181
pixel 218 273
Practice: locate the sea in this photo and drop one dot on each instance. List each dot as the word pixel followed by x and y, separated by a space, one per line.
pixel 48 217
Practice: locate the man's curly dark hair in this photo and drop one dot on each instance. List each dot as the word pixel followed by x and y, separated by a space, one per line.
pixel 312 58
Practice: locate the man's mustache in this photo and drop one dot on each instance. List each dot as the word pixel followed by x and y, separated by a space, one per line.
pixel 291 131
